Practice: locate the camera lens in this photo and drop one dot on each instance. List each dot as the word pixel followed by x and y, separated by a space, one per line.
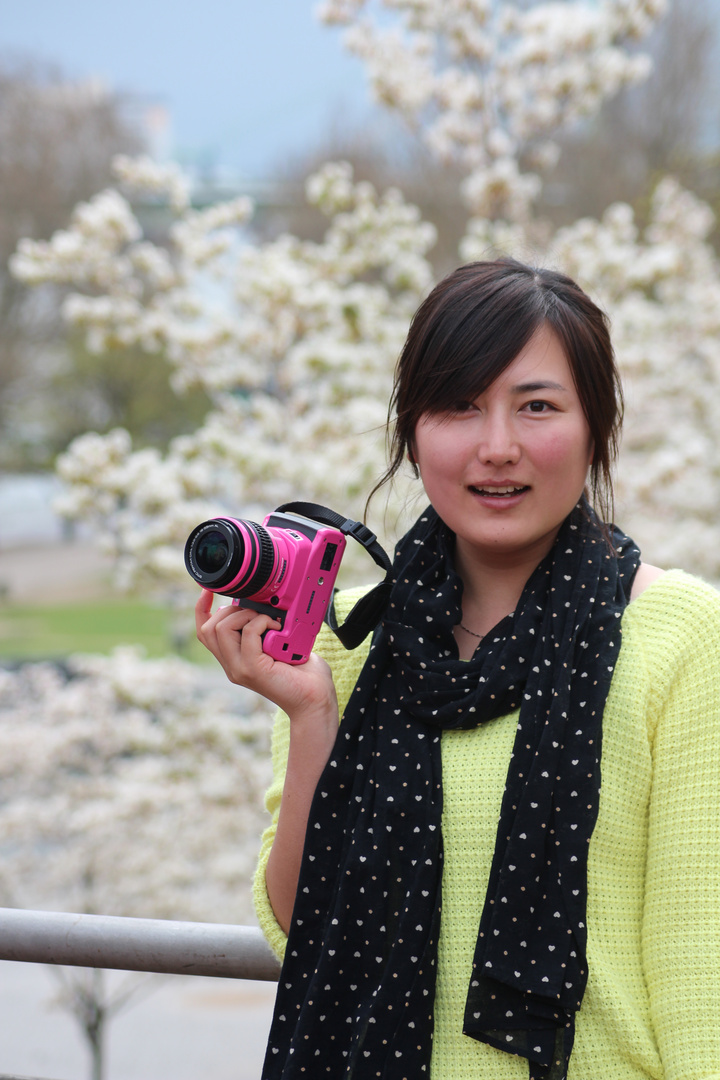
pixel 229 556
pixel 211 551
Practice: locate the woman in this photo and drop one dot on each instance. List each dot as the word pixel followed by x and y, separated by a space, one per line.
pixel 467 905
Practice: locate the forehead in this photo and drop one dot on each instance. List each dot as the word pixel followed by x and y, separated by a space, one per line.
pixel 542 360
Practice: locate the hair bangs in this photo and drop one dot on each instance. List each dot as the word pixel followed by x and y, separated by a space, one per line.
pixel 466 348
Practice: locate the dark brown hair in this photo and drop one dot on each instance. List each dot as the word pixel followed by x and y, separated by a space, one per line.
pixel 473 325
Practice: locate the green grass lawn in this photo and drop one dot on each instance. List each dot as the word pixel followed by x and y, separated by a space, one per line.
pixel 30 632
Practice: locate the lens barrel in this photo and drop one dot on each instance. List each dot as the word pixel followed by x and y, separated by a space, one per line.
pixel 233 557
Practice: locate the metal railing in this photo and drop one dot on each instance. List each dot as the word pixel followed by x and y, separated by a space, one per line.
pixel 157 945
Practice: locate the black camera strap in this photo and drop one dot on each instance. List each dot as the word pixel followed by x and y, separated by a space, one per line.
pixel 367 612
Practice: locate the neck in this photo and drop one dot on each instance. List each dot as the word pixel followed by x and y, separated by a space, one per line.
pixel 492 589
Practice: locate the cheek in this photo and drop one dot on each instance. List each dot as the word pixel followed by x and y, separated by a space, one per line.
pixel 563 453
pixel 436 449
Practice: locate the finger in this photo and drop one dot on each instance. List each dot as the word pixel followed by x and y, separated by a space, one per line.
pixel 205 601
pixel 206 621
pixel 239 642
pixel 208 631
pixel 246 624
pixel 252 626
pixel 203 609
pixel 235 617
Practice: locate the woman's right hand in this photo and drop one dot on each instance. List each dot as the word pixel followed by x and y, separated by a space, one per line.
pixel 234 636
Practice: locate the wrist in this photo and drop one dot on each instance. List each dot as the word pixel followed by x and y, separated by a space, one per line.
pixel 315 722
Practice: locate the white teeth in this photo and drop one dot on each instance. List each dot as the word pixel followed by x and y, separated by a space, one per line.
pixel 498 490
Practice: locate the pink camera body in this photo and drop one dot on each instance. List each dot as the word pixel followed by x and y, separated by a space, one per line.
pixel 285 568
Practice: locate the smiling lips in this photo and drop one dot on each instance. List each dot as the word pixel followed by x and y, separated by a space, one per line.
pixel 499 490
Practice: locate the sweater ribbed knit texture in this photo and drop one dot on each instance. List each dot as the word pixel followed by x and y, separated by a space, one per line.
pixel 652 1004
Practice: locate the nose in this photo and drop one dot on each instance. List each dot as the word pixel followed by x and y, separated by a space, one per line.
pixel 498 443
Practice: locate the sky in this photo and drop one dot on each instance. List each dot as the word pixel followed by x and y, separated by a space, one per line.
pixel 245 82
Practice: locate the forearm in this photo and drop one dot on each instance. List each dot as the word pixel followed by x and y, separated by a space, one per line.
pixel 296 770
pixel 311 741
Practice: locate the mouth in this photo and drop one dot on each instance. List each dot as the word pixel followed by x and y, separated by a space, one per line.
pixel 500 491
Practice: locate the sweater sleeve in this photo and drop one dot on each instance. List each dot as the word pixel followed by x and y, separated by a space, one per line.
pixel 681 922
pixel 269 925
pixel 345 668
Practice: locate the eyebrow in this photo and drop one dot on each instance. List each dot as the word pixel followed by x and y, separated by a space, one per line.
pixel 532 387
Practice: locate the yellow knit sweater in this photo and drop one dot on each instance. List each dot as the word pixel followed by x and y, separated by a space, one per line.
pixel 652 1004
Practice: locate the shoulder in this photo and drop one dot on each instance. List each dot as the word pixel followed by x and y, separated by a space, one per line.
pixel 646 574
pixel 674 591
pixel 669 664
pixel 674 612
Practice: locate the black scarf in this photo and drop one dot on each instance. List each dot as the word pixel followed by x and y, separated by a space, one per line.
pixel 355 996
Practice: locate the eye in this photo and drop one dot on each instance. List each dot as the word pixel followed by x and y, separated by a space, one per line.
pixel 539 407
pixel 461 407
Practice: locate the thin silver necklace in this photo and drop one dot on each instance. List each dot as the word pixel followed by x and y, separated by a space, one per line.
pixel 471 632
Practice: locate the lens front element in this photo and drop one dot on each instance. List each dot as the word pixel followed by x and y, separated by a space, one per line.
pixel 211 551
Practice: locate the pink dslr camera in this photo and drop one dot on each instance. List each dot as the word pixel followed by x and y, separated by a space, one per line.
pixel 285 568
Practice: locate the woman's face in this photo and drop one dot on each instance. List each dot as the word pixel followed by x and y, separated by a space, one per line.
pixel 504 470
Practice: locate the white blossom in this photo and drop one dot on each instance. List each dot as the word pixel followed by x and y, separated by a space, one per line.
pixel 487 81
pixel 144 175
pixel 295 348
pixel 130 787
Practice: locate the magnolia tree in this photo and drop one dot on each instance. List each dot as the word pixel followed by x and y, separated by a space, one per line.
pixel 129 787
pixel 294 341
pixel 489 85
